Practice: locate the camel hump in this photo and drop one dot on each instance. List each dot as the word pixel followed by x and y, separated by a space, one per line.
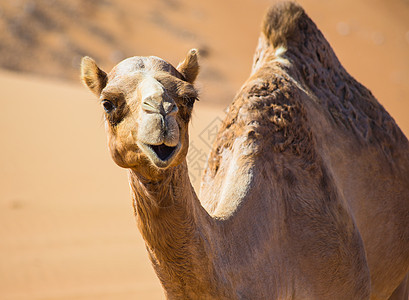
pixel 282 23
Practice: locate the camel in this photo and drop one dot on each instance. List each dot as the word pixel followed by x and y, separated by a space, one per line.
pixel 305 194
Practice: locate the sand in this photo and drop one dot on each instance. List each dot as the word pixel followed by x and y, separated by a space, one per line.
pixel 67 229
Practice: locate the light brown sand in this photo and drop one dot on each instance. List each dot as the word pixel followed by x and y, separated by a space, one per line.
pixel 67 229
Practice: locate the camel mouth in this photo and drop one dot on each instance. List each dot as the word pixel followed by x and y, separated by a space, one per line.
pixel 160 155
pixel 162 151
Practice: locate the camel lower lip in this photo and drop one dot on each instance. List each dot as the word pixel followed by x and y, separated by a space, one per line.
pixel 162 151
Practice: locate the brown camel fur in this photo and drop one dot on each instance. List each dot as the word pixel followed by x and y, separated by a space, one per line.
pixel 306 190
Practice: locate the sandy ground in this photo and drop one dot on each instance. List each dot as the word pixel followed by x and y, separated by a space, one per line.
pixel 67 229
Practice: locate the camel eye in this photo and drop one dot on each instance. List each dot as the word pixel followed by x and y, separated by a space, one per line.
pixel 108 106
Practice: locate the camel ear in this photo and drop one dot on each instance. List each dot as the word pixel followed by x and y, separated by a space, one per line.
pixel 189 68
pixel 92 76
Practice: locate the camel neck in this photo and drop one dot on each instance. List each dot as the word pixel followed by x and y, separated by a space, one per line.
pixel 169 217
pixel 170 194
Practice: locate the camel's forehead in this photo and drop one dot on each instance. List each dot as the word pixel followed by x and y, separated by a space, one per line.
pixel 130 72
pixel 143 82
pixel 149 75
pixel 141 63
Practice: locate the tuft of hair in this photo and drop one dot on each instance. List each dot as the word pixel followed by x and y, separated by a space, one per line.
pixel 92 76
pixel 281 23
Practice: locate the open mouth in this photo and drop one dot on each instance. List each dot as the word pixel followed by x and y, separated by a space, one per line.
pixel 160 155
pixel 163 151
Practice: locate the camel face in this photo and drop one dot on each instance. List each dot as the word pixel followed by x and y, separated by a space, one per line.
pixel 147 106
pixel 158 135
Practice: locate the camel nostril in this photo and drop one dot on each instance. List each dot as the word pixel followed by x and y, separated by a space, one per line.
pixel 159 106
pixel 170 108
pixel 149 108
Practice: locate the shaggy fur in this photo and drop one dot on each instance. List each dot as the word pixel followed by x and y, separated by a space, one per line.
pixel 305 194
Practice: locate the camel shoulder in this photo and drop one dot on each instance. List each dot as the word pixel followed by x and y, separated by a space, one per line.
pixel 268 117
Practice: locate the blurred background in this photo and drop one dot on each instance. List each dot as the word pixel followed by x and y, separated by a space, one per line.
pixel 67 229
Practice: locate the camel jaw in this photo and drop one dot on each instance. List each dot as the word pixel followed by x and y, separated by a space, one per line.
pixel 160 155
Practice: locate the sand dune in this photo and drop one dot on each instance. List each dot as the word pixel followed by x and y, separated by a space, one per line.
pixel 67 228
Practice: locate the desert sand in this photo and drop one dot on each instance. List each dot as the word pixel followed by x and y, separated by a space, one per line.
pixel 67 228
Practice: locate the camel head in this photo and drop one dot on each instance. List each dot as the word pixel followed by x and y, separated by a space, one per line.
pixel 147 106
